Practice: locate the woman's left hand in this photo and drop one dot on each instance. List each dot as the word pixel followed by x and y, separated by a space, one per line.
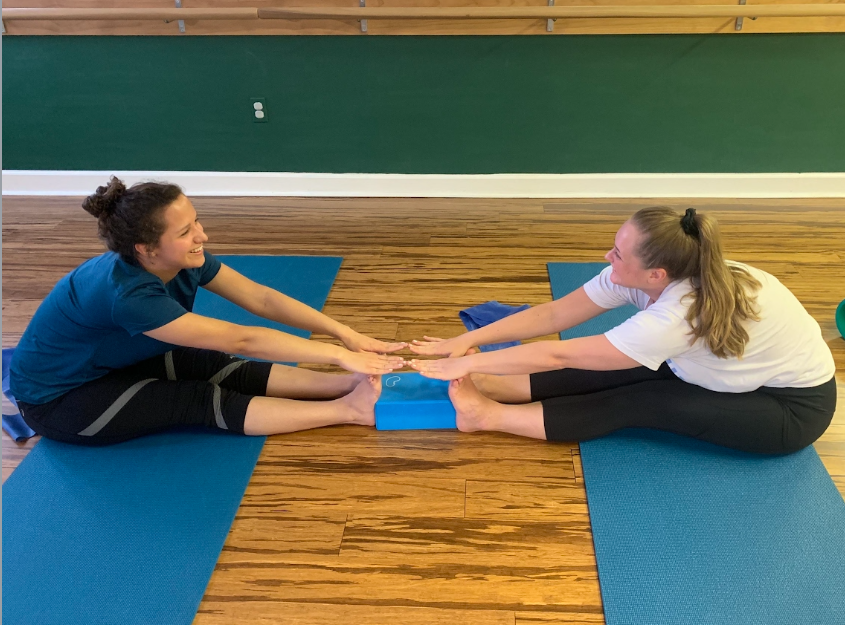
pixel 443 369
pixel 357 342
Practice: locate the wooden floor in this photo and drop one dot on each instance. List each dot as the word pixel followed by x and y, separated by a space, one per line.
pixel 351 525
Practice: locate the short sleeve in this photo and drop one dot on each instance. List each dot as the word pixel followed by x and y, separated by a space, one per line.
pixel 209 269
pixel 145 307
pixel 608 295
pixel 652 336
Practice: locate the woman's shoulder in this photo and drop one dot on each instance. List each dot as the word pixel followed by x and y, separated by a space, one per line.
pixel 753 271
pixel 120 279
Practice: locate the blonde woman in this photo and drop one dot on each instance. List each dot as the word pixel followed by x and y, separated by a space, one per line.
pixel 719 351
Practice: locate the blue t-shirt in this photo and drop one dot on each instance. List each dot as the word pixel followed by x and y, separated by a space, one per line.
pixel 92 323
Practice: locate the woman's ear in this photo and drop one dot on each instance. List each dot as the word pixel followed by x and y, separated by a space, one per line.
pixel 144 251
pixel 655 276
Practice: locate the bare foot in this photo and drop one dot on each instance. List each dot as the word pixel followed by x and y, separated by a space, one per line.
pixel 474 411
pixel 361 402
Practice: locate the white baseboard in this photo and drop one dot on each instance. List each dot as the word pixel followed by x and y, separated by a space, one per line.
pixel 256 184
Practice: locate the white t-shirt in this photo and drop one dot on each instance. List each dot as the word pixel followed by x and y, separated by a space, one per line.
pixel 785 348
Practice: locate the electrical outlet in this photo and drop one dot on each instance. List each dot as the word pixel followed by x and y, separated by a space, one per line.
pixel 259 110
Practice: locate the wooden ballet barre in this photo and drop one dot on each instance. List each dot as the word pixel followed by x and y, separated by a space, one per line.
pixel 246 13
pixel 554 12
pixel 440 13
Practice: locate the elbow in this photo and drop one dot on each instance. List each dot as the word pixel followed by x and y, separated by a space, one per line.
pixel 245 342
pixel 559 359
pixel 559 362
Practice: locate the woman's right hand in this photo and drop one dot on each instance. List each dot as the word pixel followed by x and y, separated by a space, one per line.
pixel 432 346
pixel 370 363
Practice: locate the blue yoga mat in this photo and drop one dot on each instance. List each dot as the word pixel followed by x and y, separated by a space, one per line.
pixel 688 532
pixel 130 534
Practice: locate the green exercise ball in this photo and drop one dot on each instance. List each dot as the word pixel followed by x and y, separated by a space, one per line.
pixel 840 318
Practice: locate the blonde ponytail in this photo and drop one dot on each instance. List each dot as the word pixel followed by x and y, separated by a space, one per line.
pixel 690 247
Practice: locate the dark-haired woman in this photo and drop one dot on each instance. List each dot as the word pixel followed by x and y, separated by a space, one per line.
pixel 114 351
pixel 719 351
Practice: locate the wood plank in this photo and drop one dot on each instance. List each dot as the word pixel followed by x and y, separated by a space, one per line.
pixel 558 618
pixel 424 580
pixel 525 501
pixel 505 542
pixel 264 534
pixel 371 495
pixel 224 612
pixel 13 452
pixel 426 455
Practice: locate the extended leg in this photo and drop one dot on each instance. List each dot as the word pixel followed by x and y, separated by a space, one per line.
pixel 272 415
pixel 296 383
pixel 507 389
pixel 476 412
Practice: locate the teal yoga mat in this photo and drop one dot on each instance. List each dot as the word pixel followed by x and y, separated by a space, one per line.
pixel 130 534
pixel 689 533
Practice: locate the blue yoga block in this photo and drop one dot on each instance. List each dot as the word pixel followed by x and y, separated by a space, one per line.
pixel 410 401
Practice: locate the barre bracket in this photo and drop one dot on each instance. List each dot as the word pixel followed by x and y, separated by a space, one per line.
pixel 181 22
pixel 550 23
pixel 738 24
pixel 362 4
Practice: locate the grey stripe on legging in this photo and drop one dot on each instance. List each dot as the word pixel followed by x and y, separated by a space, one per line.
pixel 168 364
pixel 218 414
pixel 103 420
pixel 215 380
pixel 225 371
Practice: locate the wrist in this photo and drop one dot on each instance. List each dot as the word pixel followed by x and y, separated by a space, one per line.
pixel 467 341
pixel 342 332
pixel 337 355
pixel 471 362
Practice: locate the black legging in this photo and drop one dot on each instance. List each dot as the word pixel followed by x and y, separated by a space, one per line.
pixel 183 387
pixel 579 405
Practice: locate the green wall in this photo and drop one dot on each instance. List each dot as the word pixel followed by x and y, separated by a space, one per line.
pixel 558 104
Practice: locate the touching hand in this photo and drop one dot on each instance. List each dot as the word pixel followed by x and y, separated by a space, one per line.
pixel 357 342
pixel 443 369
pixel 372 364
pixel 433 346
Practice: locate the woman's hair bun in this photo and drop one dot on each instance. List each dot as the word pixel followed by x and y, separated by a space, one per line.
pixel 104 200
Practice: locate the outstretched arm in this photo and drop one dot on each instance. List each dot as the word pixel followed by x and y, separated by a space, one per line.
pixel 594 353
pixel 547 318
pixel 270 304
pixel 191 330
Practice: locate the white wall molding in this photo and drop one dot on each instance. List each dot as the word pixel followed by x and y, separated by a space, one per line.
pixel 257 184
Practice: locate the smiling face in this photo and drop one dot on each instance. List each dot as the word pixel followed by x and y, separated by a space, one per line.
pixel 181 245
pixel 628 270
